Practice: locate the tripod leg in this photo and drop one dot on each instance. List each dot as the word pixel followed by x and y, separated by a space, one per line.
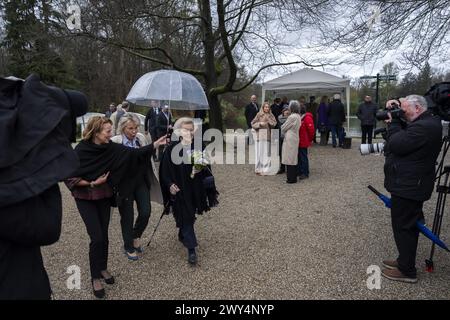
pixel 438 216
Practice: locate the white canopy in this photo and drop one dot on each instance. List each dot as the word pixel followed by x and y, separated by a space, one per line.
pixel 310 81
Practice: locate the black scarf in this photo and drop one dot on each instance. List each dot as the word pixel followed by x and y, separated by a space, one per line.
pixel 122 163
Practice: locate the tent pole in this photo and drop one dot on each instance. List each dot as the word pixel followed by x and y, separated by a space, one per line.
pixel 263 95
pixel 347 90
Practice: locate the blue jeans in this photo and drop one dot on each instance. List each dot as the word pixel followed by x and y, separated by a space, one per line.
pixel 303 163
pixel 337 130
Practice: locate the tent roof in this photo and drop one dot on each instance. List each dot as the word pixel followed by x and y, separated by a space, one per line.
pixel 306 79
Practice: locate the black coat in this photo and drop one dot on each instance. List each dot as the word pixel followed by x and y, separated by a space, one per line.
pixel 194 197
pixel 336 113
pixel 250 113
pixel 276 111
pixel 411 154
pixel 36 123
pixel 24 228
pixel 366 113
pixel 162 123
pixel 150 122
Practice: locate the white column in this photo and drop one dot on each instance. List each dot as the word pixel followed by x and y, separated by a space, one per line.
pixel 348 108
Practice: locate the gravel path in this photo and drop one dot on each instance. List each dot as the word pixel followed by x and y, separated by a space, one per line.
pixel 266 240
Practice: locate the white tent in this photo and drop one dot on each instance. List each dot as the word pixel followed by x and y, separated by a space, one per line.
pixel 311 82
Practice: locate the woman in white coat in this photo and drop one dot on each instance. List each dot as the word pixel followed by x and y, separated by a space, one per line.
pixel 263 123
pixel 290 130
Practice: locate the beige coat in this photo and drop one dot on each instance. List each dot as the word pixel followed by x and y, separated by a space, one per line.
pixel 155 188
pixel 264 121
pixel 290 130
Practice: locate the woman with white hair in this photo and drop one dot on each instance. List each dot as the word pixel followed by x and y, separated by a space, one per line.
pixel 132 231
pixel 290 130
pixel 187 189
pixel 263 122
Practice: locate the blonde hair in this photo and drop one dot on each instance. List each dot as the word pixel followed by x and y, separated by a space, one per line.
pixel 123 122
pixel 261 111
pixel 94 126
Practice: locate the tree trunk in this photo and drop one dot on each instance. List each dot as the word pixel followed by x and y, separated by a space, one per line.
pixel 215 112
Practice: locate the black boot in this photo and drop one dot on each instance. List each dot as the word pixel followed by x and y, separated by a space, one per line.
pixel 192 257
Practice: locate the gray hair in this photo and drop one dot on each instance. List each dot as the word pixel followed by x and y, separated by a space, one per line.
pixel 294 106
pixel 417 100
pixel 123 122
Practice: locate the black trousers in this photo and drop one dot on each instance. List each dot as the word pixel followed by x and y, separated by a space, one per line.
pixel 404 214
pixel 186 234
pixel 366 131
pixel 291 173
pixel 142 196
pixel 96 215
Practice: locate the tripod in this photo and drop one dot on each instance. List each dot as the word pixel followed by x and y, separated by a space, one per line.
pixel 442 190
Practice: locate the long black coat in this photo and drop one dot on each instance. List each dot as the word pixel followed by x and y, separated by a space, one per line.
pixel 150 122
pixel 193 197
pixel 411 154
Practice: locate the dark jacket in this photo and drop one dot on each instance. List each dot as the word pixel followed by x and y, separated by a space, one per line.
pixel 336 113
pixel 250 113
pixel 150 122
pixel 24 228
pixel 162 123
pixel 36 125
pixel 411 154
pixel 366 113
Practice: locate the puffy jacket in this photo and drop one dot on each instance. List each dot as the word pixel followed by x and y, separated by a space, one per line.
pixel 411 154
pixel 306 131
pixel 366 113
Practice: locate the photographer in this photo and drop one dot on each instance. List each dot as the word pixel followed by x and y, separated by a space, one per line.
pixel 413 144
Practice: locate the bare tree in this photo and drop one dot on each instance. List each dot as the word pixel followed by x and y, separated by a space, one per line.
pixel 418 30
pixel 213 40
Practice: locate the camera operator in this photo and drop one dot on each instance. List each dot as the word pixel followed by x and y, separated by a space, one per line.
pixel 37 124
pixel 413 144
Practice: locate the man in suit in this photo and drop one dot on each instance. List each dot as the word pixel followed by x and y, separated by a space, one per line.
pixel 163 122
pixel 150 120
pixel 250 113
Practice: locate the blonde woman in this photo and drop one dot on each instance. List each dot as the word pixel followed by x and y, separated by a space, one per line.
pixel 107 171
pixel 290 131
pixel 263 123
pixel 132 231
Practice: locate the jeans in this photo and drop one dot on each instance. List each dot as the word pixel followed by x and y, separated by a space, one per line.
pixel 303 163
pixel 142 196
pixel 96 215
pixel 337 130
pixel 366 131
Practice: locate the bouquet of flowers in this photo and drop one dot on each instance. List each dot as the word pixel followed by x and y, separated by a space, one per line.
pixel 199 161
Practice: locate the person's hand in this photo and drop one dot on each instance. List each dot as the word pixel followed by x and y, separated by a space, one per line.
pixel 101 180
pixel 388 121
pixel 160 142
pixel 174 189
pixel 389 104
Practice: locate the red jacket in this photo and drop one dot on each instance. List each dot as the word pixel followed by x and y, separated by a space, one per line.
pixel 307 130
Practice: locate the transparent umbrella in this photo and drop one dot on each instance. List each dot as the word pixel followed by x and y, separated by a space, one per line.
pixel 181 90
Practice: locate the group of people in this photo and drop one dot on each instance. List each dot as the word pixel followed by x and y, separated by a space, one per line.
pixel 112 166
pixel 296 122
pixel 119 171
